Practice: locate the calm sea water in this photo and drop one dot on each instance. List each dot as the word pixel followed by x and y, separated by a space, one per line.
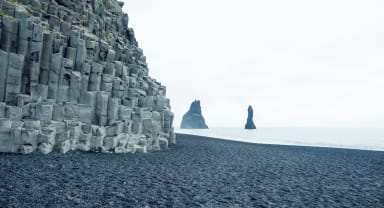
pixel 351 138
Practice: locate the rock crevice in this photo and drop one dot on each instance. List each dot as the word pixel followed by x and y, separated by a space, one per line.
pixel 72 77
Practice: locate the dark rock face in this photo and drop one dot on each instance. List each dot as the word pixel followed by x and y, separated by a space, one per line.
pixel 194 119
pixel 250 124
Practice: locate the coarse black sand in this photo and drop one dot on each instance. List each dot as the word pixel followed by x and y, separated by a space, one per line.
pixel 196 172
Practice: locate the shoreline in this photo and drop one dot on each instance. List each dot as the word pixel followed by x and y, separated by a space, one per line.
pixel 274 144
pixel 354 138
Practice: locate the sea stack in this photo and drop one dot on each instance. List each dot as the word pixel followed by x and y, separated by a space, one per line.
pixel 250 124
pixel 72 77
pixel 194 119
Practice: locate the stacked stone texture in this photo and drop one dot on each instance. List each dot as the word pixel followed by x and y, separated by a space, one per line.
pixel 72 77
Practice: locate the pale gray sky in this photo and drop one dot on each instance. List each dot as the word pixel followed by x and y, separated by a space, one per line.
pixel 298 62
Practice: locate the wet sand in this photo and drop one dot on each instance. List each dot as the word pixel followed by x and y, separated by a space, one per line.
pixel 196 172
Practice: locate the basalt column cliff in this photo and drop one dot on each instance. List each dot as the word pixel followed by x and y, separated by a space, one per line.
pixel 72 77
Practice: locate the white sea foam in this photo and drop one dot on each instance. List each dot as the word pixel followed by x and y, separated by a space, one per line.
pixel 351 138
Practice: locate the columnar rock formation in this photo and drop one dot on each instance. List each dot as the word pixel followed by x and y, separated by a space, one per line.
pixel 194 119
pixel 73 77
pixel 250 124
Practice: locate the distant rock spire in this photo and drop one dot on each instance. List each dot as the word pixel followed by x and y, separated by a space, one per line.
pixel 194 119
pixel 250 124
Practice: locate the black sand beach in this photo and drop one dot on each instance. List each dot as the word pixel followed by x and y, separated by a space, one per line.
pixel 197 172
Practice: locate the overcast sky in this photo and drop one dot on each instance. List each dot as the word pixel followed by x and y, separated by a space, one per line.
pixel 298 63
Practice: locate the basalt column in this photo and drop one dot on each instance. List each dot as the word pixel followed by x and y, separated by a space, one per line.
pixel 72 77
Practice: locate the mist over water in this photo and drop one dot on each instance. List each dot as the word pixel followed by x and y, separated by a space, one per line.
pixel 350 138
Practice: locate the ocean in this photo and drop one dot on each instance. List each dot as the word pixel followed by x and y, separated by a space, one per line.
pixel 350 138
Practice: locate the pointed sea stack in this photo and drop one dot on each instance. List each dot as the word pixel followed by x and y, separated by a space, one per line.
pixel 194 119
pixel 250 124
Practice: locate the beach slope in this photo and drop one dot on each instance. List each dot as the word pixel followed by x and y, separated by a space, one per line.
pixel 196 172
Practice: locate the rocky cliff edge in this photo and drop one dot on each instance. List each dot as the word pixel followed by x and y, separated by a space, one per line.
pixel 72 77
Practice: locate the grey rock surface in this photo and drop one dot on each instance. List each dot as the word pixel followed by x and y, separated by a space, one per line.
pixel 250 124
pixel 72 77
pixel 194 119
